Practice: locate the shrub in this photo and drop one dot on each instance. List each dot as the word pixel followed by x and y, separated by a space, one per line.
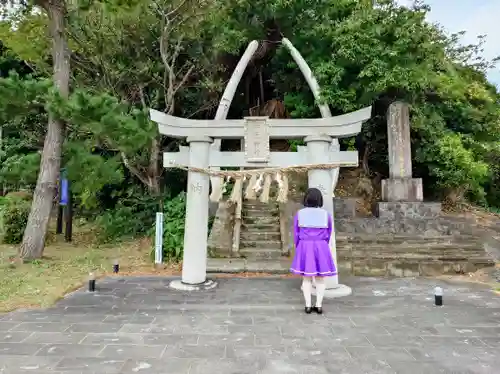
pixel 130 218
pixel 174 218
pixel 14 210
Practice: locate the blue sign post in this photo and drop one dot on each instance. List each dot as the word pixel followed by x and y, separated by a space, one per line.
pixel 64 194
pixel 65 207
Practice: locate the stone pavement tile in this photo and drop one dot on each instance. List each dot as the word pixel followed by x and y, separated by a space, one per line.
pixel 273 340
pixel 128 328
pixel 269 311
pixel 256 357
pixel 7 325
pixel 70 350
pixel 41 326
pixel 23 349
pixel 319 356
pixel 486 354
pixel 130 319
pixel 31 364
pixel 233 320
pixel 170 340
pixel 286 367
pixel 225 366
pixel 437 353
pixel 384 353
pixel 89 365
pixel 206 328
pixel 322 320
pixel 492 342
pixel 255 329
pixel 47 316
pixel 401 330
pixel 270 319
pixel 54 337
pixel 298 331
pixel 435 367
pixel 346 331
pixel 104 339
pixel 13 336
pixel 395 341
pixel 448 341
pixel 194 352
pixel 365 366
pixel 461 331
pixel 149 366
pixel 125 352
pixel 353 340
pixel 247 340
pixel 88 327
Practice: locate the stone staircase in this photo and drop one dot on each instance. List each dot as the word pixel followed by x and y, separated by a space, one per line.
pixel 410 255
pixel 260 232
pixel 370 246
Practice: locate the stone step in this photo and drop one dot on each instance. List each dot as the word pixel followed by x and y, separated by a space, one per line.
pixel 403 239
pixel 260 235
pixel 260 212
pixel 431 256
pixel 261 253
pixel 361 267
pixel 409 247
pixel 270 220
pixel 242 265
pixel 269 227
pixel 260 244
pixel 411 267
pixel 259 205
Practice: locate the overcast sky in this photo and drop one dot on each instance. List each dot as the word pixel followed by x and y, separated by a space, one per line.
pixel 475 17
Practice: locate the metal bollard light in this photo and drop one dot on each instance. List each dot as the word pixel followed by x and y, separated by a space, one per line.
pixel 91 282
pixel 116 267
pixel 438 296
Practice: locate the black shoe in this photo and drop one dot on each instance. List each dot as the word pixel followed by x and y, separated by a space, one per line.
pixel 308 310
pixel 318 309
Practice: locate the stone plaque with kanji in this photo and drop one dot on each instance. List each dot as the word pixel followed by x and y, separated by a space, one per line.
pixel 257 140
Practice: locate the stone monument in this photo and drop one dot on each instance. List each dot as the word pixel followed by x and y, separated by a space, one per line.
pixel 402 195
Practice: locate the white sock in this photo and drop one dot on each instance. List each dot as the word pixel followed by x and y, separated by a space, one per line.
pixel 320 291
pixel 307 290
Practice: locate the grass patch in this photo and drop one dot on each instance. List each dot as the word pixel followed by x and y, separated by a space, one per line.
pixel 65 267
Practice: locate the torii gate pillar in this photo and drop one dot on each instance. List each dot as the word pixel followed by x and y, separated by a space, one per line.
pixel 194 271
pixel 318 150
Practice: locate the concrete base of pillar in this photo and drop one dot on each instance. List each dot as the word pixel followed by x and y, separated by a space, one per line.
pixel 339 290
pixel 207 285
pixel 402 189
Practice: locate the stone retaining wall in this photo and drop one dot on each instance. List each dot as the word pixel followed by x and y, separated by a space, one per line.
pixel 220 238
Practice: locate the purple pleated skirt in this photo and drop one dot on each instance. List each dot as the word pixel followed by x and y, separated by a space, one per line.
pixel 313 259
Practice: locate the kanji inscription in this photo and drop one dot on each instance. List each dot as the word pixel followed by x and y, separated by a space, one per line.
pixel 257 140
pixel 196 187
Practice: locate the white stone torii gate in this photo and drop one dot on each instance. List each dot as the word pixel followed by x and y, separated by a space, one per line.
pixel 318 134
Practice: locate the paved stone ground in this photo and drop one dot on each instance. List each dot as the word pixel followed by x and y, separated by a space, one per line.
pixel 138 325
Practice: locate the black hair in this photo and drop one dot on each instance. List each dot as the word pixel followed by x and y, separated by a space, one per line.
pixel 313 198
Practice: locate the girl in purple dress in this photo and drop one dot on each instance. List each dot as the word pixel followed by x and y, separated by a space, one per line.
pixel 312 231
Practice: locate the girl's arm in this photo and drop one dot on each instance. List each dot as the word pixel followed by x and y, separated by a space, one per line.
pixel 296 229
pixel 330 226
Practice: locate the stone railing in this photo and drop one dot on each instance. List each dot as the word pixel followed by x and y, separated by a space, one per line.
pixel 220 238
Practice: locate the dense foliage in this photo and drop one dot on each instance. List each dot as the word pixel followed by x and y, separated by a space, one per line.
pixel 14 210
pixel 175 55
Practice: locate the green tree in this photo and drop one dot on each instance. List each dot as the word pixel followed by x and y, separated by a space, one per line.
pixel 36 229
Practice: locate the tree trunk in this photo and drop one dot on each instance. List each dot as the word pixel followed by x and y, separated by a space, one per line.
pixel 46 186
pixel 154 168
